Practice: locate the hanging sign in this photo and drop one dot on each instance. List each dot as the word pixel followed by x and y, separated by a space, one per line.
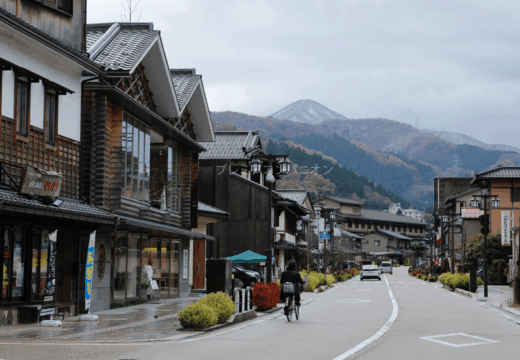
pixel 506 228
pixel 50 285
pixel 40 182
pixel 89 268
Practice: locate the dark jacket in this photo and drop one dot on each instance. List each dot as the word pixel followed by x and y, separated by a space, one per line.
pixel 292 276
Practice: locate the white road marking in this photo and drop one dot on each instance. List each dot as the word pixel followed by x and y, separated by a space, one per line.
pixel 504 315
pixel 484 340
pixel 365 289
pixel 353 301
pixel 384 329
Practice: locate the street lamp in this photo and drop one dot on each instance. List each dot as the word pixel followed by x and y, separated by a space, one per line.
pixel 495 203
pixel 256 167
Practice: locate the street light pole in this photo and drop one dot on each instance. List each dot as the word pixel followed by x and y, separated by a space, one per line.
pixel 485 228
pixel 256 167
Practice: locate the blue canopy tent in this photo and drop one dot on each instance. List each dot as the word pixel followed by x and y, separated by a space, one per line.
pixel 248 257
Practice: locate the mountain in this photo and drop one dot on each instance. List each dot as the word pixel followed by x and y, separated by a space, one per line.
pixel 306 111
pixel 461 139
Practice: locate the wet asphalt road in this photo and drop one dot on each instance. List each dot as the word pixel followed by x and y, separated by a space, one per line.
pixel 354 320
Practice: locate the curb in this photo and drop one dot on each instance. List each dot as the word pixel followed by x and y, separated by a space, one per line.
pixel 464 292
pixel 509 311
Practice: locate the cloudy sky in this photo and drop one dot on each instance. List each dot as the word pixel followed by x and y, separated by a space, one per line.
pixel 451 65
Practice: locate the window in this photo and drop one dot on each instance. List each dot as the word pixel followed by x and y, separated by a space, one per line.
pixel 377 242
pixel 51 117
pixel 135 160
pixel 65 5
pixel 22 105
pixel 515 194
pixel 173 193
pixel 40 254
pixel 13 255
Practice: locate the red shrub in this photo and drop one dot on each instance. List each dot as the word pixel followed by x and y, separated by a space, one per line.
pixel 265 295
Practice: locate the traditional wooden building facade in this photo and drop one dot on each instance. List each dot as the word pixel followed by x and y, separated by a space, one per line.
pixel 41 227
pixel 142 125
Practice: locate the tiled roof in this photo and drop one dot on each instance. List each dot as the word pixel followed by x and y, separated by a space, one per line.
pixel 500 173
pixel 228 145
pixel 383 216
pixel 351 235
pixel 185 82
pixel 67 210
pixel 210 209
pixel 297 195
pixel 341 200
pixel 394 234
pixel 126 46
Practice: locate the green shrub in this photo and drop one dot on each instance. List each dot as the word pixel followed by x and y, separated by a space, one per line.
pixel 424 277
pixel 460 281
pixel 279 284
pixel 330 280
pixel 221 303
pixel 418 276
pixel 432 279
pixel 315 279
pixel 480 282
pixel 197 316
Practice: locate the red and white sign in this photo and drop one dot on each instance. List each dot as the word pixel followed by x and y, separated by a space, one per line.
pixel 40 182
pixel 471 213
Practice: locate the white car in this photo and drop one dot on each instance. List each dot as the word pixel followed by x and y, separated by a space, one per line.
pixel 369 271
pixel 386 267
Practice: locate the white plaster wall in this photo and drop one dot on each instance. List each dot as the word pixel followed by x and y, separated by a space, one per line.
pixel 37 104
pixel 8 94
pixel 31 55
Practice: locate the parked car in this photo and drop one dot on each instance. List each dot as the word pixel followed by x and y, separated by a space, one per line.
pixel 245 277
pixel 386 267
pixel 369 271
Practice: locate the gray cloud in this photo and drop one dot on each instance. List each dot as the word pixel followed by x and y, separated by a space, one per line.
pixel 451 64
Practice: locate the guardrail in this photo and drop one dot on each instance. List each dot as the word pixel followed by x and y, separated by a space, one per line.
pixel 244 300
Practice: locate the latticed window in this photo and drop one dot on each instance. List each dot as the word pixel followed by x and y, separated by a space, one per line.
pixel 173 192
pixel 135 160
pixel 22 106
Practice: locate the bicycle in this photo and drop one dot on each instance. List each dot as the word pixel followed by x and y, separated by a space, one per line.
pixel 289 300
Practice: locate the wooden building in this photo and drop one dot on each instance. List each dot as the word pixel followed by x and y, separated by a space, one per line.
pixel 142 124
pixel 42 224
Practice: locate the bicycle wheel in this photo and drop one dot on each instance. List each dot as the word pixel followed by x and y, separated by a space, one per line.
pixel 288 304
pixel 297 312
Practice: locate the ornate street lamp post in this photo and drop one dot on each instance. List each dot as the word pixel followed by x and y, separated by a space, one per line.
pixel 256 164
pixel 485 227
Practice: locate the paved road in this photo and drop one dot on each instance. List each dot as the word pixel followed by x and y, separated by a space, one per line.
pixel 354 320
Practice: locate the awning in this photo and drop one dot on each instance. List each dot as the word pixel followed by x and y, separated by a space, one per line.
pixel 248 257
pixel 286 245
pixel 145 224
pixel 302 243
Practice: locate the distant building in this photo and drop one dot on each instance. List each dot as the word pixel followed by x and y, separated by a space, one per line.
pixel 411 213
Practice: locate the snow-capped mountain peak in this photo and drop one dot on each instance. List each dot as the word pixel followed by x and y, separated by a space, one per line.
pixel 306 111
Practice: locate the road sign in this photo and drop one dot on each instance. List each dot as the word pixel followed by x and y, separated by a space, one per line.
pixel 398 251
pixel 325 235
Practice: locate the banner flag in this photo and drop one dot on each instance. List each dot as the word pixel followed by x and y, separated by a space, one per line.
pixel 50 284
pixel 506 228
pixel 89 268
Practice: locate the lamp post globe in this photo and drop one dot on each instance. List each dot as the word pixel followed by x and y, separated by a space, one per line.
pixel 475 203
pixel 495 203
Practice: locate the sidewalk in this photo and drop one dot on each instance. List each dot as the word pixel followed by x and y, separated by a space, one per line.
pixel 147 322
pixel 499 297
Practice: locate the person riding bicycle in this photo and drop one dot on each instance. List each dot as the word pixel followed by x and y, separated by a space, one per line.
pixel 293 276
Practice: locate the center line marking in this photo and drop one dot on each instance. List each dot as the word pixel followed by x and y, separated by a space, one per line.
pixel 384 329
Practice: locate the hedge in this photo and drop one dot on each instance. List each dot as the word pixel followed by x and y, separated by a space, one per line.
pixel 197 316
pixel 221 303
pixel 457 281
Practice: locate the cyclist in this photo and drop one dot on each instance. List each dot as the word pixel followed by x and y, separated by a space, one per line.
pixel 293 276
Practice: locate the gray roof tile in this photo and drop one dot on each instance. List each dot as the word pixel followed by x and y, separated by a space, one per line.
pixel 297 195
pixel 341 200
pixel 68 209
pixel 383 216
pixel 228 145
pixel 125 49
pixel 394 234
pixel 210 209
pixel 185 82
pixel 500 173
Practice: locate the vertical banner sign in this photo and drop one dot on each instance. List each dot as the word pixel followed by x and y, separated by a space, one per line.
pixel 185 261
pixel 50 284
pixel 506 228
pixel 88 269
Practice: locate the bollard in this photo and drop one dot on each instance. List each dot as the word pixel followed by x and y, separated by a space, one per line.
pixel 247 299
pixel 250 298
pixel 472 280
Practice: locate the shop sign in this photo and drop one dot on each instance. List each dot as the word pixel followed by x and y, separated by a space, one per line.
pixel 40 182
pixel 89 268
pixel 506 228
pixel 471 213
pixel 50 285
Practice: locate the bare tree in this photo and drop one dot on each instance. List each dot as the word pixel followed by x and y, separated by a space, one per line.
pixel 128 9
